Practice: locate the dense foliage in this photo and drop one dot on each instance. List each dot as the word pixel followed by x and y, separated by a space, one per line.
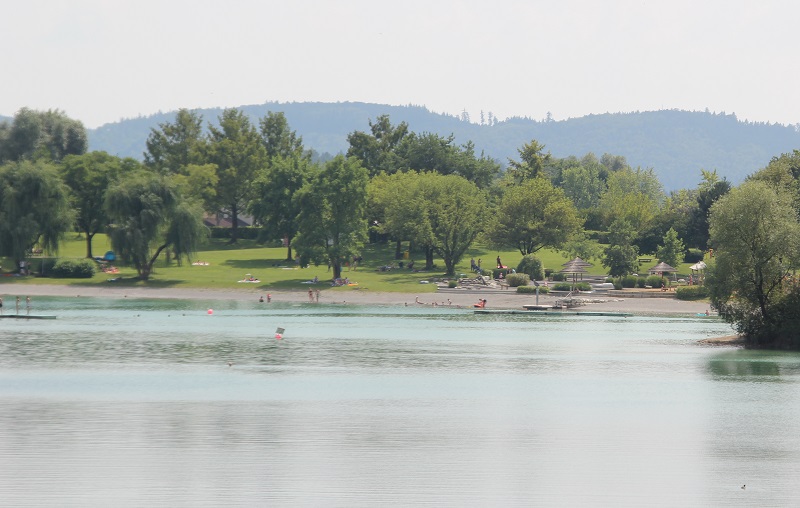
pixel 756 236
pixel 73 269
pixel 428 193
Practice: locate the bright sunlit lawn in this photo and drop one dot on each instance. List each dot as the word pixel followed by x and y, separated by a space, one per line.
pixel 228 264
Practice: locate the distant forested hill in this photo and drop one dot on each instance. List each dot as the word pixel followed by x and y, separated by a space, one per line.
pixel 677 144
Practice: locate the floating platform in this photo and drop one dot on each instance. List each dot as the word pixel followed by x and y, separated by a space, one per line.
pixel 566 312
pixel 26 316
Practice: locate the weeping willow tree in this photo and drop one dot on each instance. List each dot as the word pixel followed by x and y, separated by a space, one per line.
pixel 34 208
pixel 148 216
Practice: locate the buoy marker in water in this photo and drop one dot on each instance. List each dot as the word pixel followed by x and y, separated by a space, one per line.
pixel 279 333
pixel 210 311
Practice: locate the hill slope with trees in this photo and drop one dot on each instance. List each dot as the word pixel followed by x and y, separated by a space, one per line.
pixel 676 144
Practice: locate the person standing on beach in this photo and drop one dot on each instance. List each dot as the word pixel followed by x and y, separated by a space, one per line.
pixel 28 305
pixel 310 295
pixel 317 295
pixel 1 306
pixel 17 305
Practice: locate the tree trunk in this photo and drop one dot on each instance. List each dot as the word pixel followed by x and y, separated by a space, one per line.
pixel 398 249
pixel 89 245
pixel 429 258
pixel 234 224
pixel 450 266
pixel 337 269
pixel 289 249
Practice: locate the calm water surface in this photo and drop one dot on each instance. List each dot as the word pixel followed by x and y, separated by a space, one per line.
pixel 132 403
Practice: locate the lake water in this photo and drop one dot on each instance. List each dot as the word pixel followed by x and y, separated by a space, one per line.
pixel 133 403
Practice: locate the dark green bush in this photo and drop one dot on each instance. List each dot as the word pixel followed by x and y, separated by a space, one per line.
pixel 691 293
pixel 561 286
pixel 693 256
pixel 543 290
pixel 656 281
pixel 629 281
pixel 452 284
pixel 558 277
pixel 74 269
pixel 532 266
pixel 517 279
pixel 245 233
pixel 641 282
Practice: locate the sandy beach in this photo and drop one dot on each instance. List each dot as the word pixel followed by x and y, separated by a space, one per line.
pixel 508 299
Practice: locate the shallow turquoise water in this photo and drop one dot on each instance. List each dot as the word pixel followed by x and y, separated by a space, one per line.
pixel 133 403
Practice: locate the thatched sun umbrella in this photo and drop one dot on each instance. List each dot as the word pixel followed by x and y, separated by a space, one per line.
pixel 574 268
pixel 661 269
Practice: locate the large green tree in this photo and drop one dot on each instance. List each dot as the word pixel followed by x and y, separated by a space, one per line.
pixel 441 214
pixel 634 196
pixel 533 215
pixel 147 216
pixel 377 149
pixel 34 208
pixel 332 226
pixel 276 204
pixel 49 135
pixel 532 162
pixel 671 250
pixel 756 239
pixel 455 208
pixel 279 140
pixel 173 146
pixel 621 256
pixel 236 148
pixel 88 176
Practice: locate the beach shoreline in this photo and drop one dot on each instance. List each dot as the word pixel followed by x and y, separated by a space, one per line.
pixel 497 300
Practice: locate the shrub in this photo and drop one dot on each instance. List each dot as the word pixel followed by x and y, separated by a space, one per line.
pixel 691 293
pixel 558 276
pixel 629 281
pixel 244 233
pixel 617 284
pixel 531 266
pixel 73 269
pixel 517 279
pixel 655 281
pixel 543 290
pixel 452 284
pixel 641 282
pixel 562 286
pixel 693 256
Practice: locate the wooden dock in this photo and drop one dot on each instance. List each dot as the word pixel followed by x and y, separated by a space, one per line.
pixel 26 316
pixel 552 312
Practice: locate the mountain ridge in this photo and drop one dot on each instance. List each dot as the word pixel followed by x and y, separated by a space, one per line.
pixel 677 144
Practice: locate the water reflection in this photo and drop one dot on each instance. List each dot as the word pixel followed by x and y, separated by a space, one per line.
pixel 133 403
pixel 746 364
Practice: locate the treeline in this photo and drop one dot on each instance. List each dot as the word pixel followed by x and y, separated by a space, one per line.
pixel 421 188
pixel 676 144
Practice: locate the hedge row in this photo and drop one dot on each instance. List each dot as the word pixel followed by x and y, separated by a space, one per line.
pixel 691 293
pixel 73 269
pixel 543 290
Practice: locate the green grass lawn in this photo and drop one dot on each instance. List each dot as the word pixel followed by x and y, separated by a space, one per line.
pixel 227 264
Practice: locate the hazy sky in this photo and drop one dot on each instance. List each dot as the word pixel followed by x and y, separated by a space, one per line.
pixel 104 60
